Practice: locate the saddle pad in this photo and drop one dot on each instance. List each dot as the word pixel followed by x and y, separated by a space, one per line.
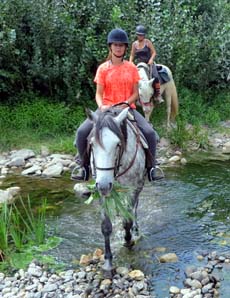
pixel 163 74
pixel 143 140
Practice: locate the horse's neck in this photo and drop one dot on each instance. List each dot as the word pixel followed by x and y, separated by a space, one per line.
pixel 143 74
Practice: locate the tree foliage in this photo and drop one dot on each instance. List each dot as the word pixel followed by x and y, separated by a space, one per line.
pixel 53 47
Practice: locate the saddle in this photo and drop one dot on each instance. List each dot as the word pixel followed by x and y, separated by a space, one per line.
pixel 163 74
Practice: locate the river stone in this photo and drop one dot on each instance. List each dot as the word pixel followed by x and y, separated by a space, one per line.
pixel 3 160
pixel 53 171
pixel 16 162
pixel 23 153
pixel 198 275
pixel 183 161
pixel 200 258
pixel 122 271
pixel 174 290
pixel 189 270
pixel 49 287
pixel 8 195
pixel 193 283
pixel 4 171
pixel 44 151
pixel 167 258
pixel 81 190
pixel 85 260
pixel 174 158
pixel 136 275
pixel 31 170
pixel 61 156
pixel 226 148
pixel 97 253
pixel 207 288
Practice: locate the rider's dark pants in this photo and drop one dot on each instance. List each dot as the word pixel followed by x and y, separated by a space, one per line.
pixel 85 128
pixel 153 71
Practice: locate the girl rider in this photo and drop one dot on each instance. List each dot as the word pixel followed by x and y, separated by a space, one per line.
pixel 143 51
pixel 116 81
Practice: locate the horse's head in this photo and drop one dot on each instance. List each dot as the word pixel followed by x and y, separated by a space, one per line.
pixel 145 86
pixel 107 143
pixel 146 90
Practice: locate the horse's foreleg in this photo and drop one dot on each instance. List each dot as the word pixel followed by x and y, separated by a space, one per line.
pixel 131 224
pixel 128 224
pixel 106 228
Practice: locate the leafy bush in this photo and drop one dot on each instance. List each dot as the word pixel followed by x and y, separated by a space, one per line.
pixel 53 48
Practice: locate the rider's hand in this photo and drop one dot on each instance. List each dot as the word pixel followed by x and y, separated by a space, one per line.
pixel 104 107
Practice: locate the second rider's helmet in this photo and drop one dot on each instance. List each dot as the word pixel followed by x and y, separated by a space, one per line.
pixel 117 35
pixel 140 30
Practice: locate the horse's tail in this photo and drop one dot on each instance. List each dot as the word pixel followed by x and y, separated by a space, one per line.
pixel 174 102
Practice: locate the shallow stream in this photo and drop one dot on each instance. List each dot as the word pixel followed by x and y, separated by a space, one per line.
pixel 187 213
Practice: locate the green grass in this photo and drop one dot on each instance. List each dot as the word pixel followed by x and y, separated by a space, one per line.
pixel 23 234
pixel 38 121
pixel 197 116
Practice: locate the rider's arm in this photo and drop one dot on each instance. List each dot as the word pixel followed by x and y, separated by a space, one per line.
pixel 153 51
pixel 132 53
pixel 99 97
pixel 134 95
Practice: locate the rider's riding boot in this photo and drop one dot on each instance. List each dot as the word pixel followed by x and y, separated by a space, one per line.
pixel 82 173
pixel 155 173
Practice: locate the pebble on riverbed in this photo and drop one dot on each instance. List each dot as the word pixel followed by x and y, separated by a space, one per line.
pixel 201 282
pixel 85 282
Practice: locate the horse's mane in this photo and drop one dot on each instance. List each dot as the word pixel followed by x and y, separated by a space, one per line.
pixel 106 119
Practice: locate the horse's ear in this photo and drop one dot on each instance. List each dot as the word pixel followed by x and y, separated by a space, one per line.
pixel 123 114
pixel 91 115
pixel 151 82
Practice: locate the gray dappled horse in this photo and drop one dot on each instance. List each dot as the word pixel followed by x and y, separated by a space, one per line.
pixel 146 92
pixel 116 154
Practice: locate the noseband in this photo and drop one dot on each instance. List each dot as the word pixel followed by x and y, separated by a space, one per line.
pixel 120 151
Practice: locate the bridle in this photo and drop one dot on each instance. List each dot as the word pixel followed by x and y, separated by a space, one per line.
pixel 146 69
pixel 120 151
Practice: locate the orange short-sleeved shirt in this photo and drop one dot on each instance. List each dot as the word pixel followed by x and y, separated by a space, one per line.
pixel 117 80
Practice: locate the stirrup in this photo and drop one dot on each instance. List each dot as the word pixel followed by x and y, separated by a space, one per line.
pixel 152 176
pixel 83 176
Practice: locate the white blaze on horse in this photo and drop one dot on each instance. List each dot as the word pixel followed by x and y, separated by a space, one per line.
pixel 116 153
pixel 168 91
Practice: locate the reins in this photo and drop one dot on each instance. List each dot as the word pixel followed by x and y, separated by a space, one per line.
pixel 135 154
pixel 117 164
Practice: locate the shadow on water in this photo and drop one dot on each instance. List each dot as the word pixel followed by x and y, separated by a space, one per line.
pixel 186 214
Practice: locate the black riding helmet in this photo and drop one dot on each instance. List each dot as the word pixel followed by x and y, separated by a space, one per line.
pixel 140 30
pixel 117 35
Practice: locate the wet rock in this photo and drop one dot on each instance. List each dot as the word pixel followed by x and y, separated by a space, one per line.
pixel 23 153
pixel 16 162
pixel 174 158
pixel 31 170
pixel 174 290
pixel 136 275
pixel 53 170
pixel 81 190
pixel 122 271
pixel 9 195
pixel 183 161
pixel 170 257
pixel 226 148
pixel 85 260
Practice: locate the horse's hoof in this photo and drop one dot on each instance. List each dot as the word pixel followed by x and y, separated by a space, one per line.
pixel 108 274
pixel 129 244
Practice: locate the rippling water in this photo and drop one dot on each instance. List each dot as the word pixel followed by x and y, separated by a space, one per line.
pixel 187 213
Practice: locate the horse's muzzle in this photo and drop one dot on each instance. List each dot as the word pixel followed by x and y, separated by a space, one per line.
pixel 104 188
